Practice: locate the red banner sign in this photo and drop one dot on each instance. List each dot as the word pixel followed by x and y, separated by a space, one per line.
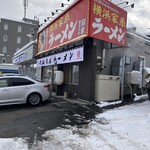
pixel 70 26
pixel 108 22
pixel 99 19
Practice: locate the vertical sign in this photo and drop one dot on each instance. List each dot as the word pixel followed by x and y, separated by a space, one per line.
pixel 108 22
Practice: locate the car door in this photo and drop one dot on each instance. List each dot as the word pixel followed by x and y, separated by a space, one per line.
pixel 4 90
pixel 19 89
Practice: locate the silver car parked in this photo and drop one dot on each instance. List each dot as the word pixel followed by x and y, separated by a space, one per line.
pixel 22 89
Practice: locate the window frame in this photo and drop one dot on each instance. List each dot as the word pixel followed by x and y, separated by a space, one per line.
pixel 3 60
pixel 75 78
pixel 4 79
pixel 70 77
pixel 19 29
pixel 4 49
pixel 18 40
pixel 13 80
pixel 5 26
pixel 5 38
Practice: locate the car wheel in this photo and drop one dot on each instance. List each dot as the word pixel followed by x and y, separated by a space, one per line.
pixel 34 99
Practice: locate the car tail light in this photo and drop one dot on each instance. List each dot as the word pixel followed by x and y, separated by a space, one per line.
pixel 47 86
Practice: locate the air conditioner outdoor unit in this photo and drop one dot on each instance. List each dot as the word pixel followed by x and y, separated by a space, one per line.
pixel 134 77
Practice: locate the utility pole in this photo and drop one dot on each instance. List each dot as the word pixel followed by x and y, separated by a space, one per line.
pixel 25 3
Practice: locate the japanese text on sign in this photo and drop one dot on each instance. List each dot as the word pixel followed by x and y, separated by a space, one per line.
pixel 108 22
pixel 68 27
pixel 75 55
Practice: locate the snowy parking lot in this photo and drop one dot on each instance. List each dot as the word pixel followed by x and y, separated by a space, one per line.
pixel 126 127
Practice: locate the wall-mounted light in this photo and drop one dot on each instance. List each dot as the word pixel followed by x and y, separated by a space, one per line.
pixel 126 2
pixel 59 10
pixel 132 6
pixel 45 20
pixel 49 17
pixel 40 24
pixel 53 13
pixel 63 5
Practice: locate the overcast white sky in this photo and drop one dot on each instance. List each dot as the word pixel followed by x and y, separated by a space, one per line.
pixel 138 16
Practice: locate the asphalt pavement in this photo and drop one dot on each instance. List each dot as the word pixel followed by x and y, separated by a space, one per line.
pixel 27 122
pixel 31 122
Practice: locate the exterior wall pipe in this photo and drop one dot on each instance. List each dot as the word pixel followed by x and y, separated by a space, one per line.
pixel 123 76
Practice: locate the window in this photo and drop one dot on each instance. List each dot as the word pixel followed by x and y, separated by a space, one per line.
pixel 71 73
pixel 142 58
pixel 4 49
pixel 47 73
pixel 142 62
pixel 20 82
pixel 3 83
pixel 18 40
pixel 19 28
pixel 5 26
pixel 5 38
pixel 75 74
pixel 3 60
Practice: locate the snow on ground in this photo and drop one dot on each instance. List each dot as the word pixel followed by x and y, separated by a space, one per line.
pixel 126 127
pixel 136 98
pixel 13 144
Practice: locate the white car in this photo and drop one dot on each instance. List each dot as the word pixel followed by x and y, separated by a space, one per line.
pixel 22 89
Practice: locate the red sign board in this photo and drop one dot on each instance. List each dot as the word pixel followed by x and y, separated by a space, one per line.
pixel 107 22
pixel 70 26
pixel 99 19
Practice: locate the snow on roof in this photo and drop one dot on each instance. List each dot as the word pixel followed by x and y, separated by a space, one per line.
pixel 132 32
pixel 21 21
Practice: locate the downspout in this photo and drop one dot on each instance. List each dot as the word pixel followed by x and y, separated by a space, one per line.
pixel 122 78
pixel 52 80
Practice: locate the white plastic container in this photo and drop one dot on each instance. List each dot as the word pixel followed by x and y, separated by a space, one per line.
pixel 58 77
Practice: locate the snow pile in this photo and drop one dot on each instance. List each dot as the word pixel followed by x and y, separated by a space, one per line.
pixel 122 128
pixel 13 144
pixel 103 104
pixel 136 98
